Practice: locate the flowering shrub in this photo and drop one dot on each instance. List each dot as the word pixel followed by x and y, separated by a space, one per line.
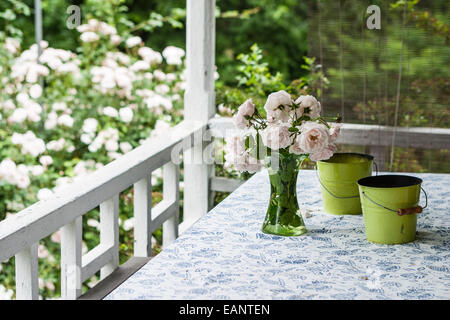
pixel 289 127
pixel 66 114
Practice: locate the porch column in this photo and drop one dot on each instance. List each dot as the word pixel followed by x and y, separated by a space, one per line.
pixel 199 101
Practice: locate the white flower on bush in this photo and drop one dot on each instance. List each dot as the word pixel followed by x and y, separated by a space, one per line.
pixel 133 41
pixel 35 91
pixel 150 55
pixel 19 115
pixel 5 294
pixel 126 114
pixel 110 112
pixel 45 194
pixel 66 120
pixel 276 136
pixel 51 121
pixel 89 36
pixel 46 160
pixel 12 45
pixel 314 137
pixel 276 106
pixel 125 147
pixel 162 89
pixel 37 170
pixel 140 65
pixel 56 145
pixel 173 55
pixel 90 125
pixel 8 170
pixel 29 142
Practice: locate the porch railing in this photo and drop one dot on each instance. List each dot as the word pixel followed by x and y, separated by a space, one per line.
pixel 376 138
pixel 20 234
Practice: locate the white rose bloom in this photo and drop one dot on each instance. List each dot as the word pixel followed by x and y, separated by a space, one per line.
pixel 111 145
pixel 149 55
pixel 86 138
pixel 23 181
pixel 90 125
pixel 35 91
pixel 19 115
pixel 52 121
pixel 45 194
pixel 314 137
pixel 115 39
pixel 126 114
pixel 133 41
pixel 276 100
pixel 140 65
pixel 125 147
pixel 276 136
pixel 89 37
pixel 128 224
pixel 65 120
pixel 110 112
pixel 46 160
pixel 308 106
pixel 12 45
pixel 37 170
pixel 173 55
pixel 162 89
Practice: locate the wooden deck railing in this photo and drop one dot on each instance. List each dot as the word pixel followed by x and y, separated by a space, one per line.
pixel 20 234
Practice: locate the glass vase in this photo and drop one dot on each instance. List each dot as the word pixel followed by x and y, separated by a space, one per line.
pixel 283 215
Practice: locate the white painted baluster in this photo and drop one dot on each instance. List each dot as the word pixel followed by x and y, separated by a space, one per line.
pixel 27 277
pixel 71 237
pixel 142 217
pixel 109 232
pixel 171 193
pixel 199 101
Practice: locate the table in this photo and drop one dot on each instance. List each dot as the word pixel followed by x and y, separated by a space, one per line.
pixel 225 255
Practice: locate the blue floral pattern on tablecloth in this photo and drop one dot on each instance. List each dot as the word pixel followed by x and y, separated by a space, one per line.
pixel 226 256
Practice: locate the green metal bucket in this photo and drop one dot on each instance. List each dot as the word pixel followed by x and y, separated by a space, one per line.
pixel 390 207
pixel 338 178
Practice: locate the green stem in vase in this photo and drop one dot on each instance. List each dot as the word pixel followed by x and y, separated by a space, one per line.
pixel 283 215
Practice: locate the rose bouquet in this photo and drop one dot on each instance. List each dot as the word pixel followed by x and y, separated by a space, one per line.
pixel 289 133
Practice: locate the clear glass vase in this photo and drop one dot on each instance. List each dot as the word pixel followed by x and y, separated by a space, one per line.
pixel 283 215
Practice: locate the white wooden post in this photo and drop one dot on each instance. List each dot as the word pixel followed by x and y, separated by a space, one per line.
pixel 199 101
pixel 71 237
pixel 171 193
pixel 109 232
pixel 27 277
pixel 143 217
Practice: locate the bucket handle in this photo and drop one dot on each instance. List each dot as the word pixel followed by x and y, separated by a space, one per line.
pixel 405 211
pixel 335 196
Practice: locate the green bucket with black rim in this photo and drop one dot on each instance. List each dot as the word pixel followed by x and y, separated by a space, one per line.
pixel 390 204
pixel 338 177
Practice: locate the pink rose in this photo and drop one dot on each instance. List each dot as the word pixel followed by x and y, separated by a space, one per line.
pixel 235 145
pixel 276 136
pixel 335 131
pixel 314 137
pixel 323 154
pixel 274 101
pixel 246 109
pixel 314 107
pixel 240 122
pixel 295 148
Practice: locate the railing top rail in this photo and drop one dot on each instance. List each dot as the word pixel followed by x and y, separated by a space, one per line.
pixel 45 217
pixel 367 134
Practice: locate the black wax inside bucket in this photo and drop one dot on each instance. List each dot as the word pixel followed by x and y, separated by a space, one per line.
pixel 389 181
